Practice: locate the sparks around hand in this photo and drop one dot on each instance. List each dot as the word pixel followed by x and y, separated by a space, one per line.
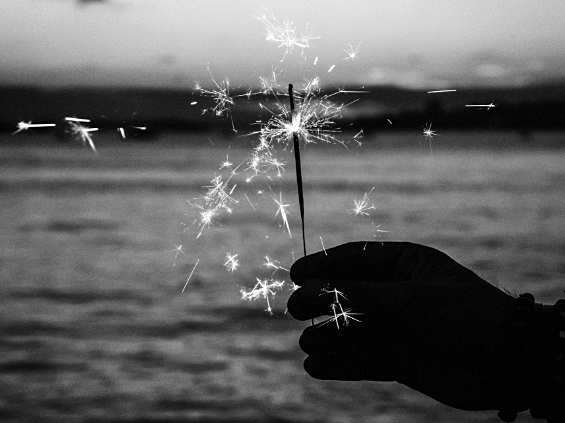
pixel 263 288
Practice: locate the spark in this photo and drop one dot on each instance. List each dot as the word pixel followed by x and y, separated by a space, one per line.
pixel 488 106
pixel 226 163
pixel 315 60
pixel 273 264
pixel 331 68
pixel 389 121
pixel 324 248
pixel 441 91
pixel 249 201
pixel 220 95
pixel 141 128
pixel 352 52
pixel 286 35
pixel 358 134
pixel 268 84
pixel 263 288
pixel 194 103
pixel 82 132
pixel 177 250
pixel 428 133
pixel 24 126
pixel 345 314
pixel 190 276
pixel 74 119
pixel 122 132
pixel 362 206
pixel 231 263
pixel 283 211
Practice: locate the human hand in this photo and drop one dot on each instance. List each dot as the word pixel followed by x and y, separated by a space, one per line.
pixel 425 321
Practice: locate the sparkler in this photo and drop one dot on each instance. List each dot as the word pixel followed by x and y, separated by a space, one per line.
pixel 24 126
pixel 295 122
pixel 263 288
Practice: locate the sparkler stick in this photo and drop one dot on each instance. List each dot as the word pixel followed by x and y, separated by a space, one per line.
pixel 298 167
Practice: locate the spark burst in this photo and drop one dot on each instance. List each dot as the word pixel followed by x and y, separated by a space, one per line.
pixel 352 52
pixel 273 264
pixel 362 206
pixel 24 126
pixel 82 132
pixel 263 288
pixel 232 263
pixel 286 35
pixel 337 309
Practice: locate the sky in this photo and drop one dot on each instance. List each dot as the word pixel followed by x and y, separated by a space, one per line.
pixel 175 43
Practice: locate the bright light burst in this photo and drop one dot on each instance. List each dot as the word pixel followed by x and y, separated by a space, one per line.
pixel 263 289
pixel 337 309
pixel 286 35
pixel 428 133
pixel 232 262
pixel 362 206
pixel 24 126
pixel 314 118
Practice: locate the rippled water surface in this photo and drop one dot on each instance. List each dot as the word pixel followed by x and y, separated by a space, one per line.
pixel 93 323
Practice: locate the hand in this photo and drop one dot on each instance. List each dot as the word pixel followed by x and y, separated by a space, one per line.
pixel 425 321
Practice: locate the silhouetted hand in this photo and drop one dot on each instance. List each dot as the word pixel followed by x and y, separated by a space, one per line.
pixel 425 321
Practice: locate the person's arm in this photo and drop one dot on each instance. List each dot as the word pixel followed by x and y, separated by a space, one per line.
pixel 408 313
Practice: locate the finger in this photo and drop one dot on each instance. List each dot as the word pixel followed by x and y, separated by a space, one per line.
pixel 375 261
pixel 328 337
pixel 349 366
pixel 382 301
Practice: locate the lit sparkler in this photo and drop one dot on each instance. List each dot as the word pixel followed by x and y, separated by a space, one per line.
pixel 24 126
pixel 263 288
pixel 362 206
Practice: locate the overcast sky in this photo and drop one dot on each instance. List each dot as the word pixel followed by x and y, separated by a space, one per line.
pixel 429 43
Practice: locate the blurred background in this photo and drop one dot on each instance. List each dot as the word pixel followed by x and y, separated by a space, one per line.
pixel 119 304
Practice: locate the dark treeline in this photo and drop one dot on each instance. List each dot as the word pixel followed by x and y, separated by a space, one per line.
pixel 378 109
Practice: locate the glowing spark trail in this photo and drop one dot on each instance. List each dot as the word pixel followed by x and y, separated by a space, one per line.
pixel 177 250
pixel 282 210
pixel 231 263
pixel 331 68
pixel 190 276
pixel 337 309
pixel 362 206
pixel 73 119
pixel 441 91
pixel 24 126
pixel 488 106
pixel 323 247
pixel 263 288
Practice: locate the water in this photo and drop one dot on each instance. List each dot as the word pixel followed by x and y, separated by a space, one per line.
pixel 93 324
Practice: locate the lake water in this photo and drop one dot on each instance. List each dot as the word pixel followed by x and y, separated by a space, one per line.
pixel 95 251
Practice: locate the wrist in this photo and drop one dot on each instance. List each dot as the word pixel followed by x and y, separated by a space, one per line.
pixel 545 352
